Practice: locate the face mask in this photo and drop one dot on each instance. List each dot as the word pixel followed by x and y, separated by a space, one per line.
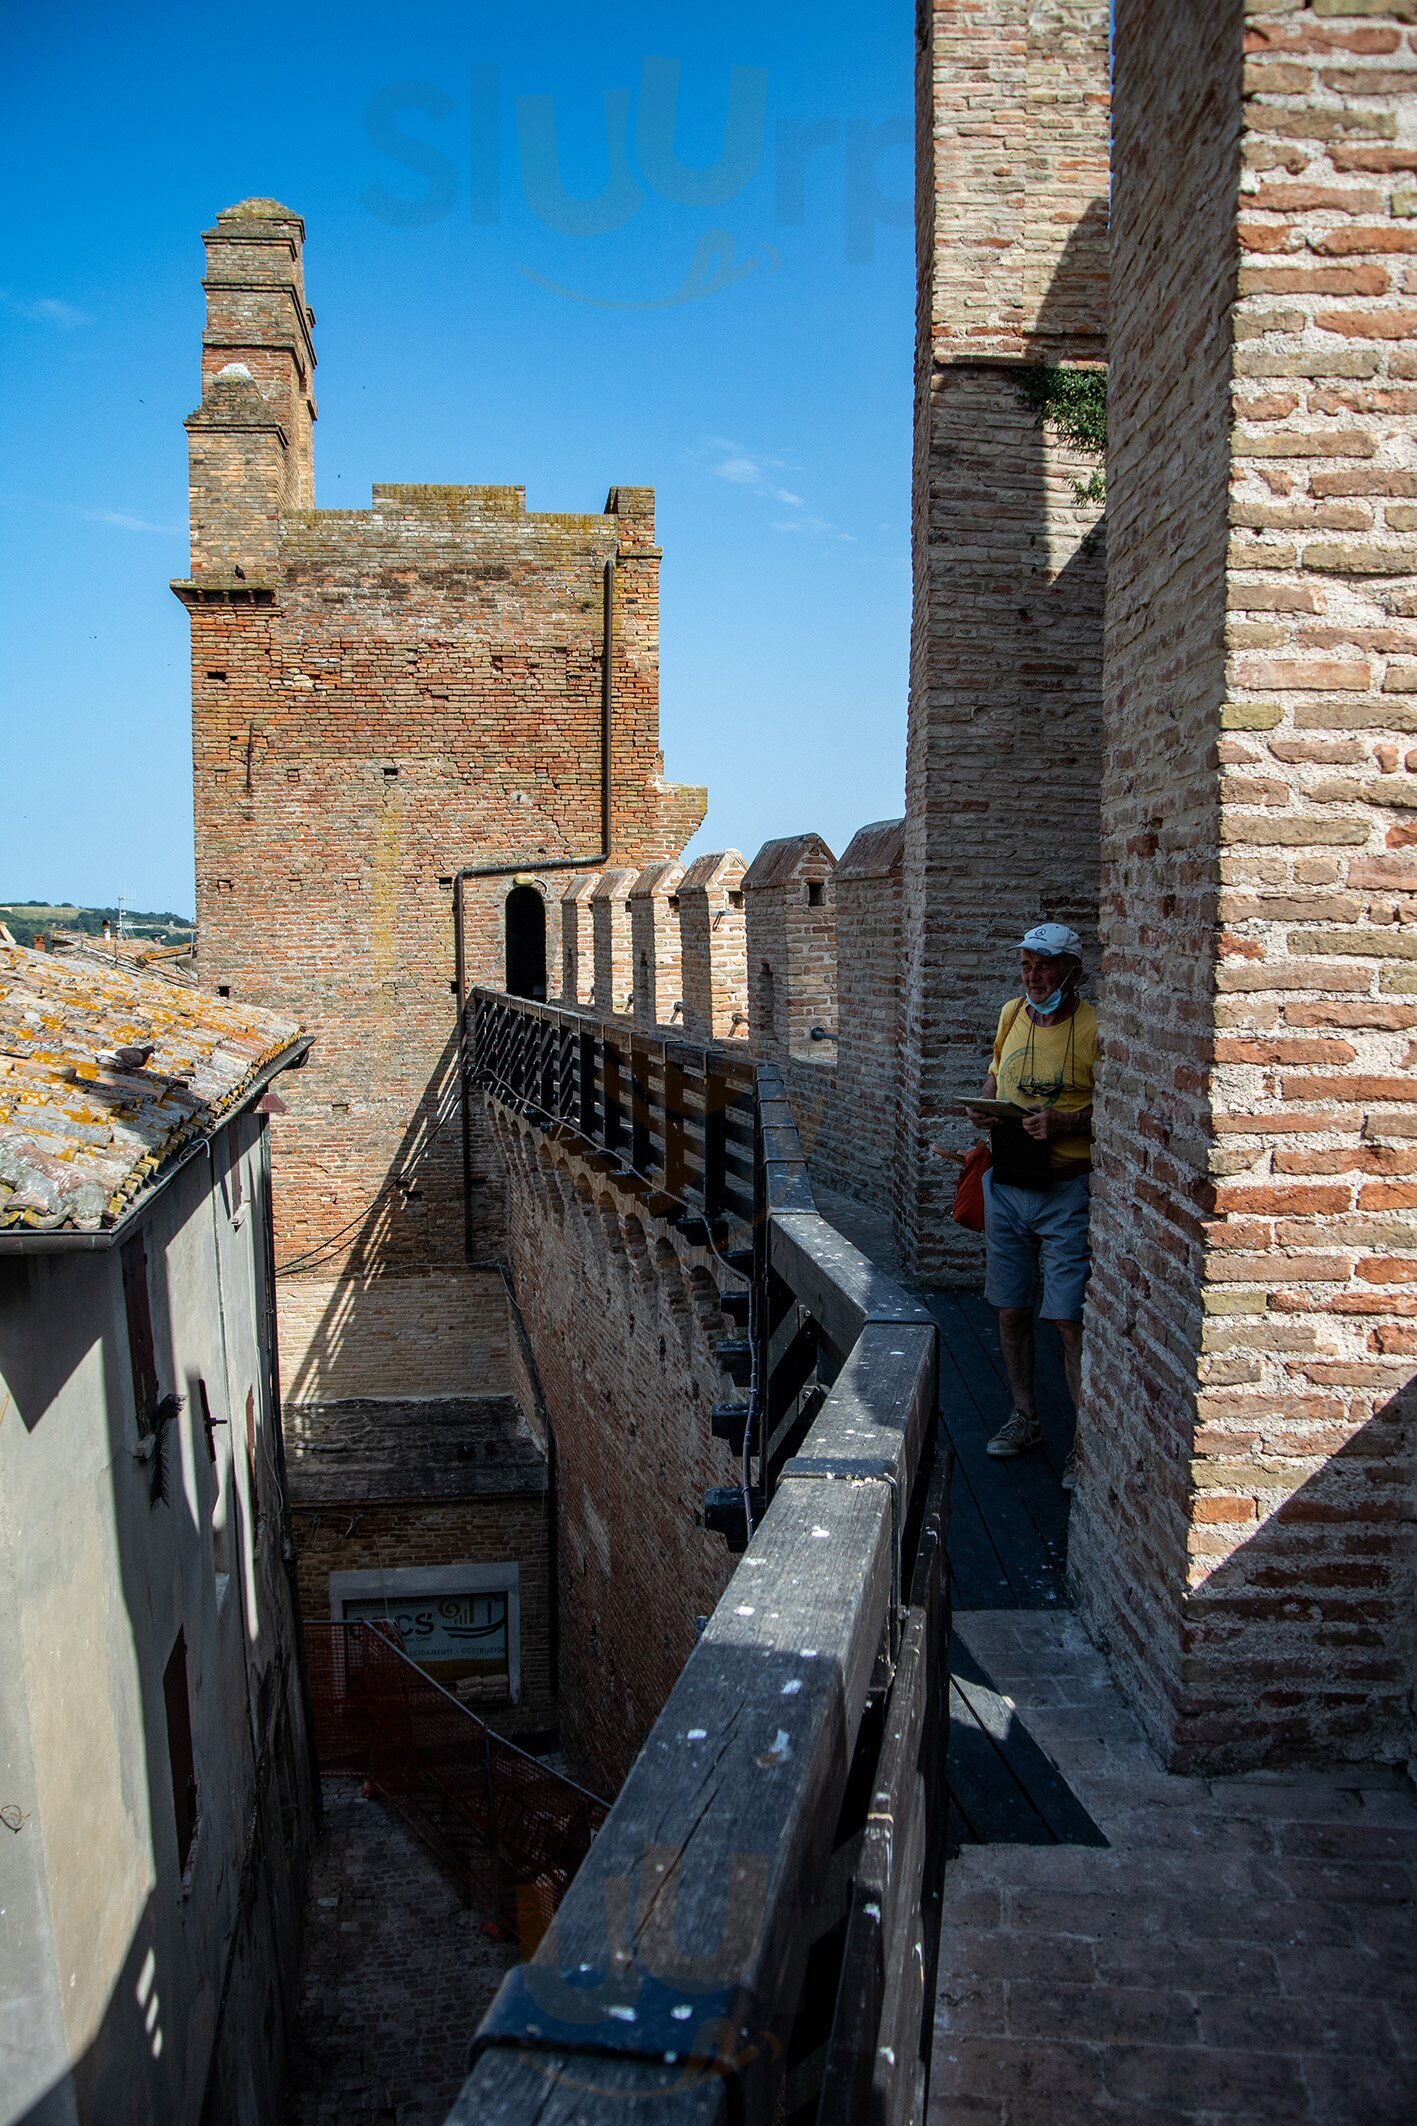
pixel 1047 1008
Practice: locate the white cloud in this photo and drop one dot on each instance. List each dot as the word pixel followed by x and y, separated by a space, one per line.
pixel 820 527
pixel 46 310
pixel 745 468
pixel 122 521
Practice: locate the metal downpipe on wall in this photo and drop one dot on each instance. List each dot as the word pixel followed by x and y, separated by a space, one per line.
pixel 536 864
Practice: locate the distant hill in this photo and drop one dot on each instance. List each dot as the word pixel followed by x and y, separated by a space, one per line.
pixel 27 919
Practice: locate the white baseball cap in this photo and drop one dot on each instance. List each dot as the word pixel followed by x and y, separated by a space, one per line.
pixel 1054 940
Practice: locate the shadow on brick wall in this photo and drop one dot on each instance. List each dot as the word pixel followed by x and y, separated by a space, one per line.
pixel 400 1277
pixel 1004 760
pixel 1301 1645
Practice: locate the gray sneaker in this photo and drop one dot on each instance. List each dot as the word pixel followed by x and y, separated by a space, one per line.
pixel 1070 1470
pixel 1017 1436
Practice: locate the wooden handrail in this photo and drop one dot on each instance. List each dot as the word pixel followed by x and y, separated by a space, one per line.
pixel 790 1795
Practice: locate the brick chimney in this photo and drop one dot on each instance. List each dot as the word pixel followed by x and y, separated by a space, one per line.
pixel 251 441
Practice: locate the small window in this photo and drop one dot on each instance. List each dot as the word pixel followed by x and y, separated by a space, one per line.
pixel 735 900
pixel 223 989
pixel 137 1306
pixel 814 893
pixel 178 1708
pixel 216 675
pixel 389 774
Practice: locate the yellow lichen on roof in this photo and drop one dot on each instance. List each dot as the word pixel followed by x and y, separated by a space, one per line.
pixel 147 955
pixel 105 1075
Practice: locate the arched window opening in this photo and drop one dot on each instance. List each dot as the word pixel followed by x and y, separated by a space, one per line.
pixel 526 943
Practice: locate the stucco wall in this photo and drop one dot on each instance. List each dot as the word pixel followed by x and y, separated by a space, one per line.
pixel 134 1957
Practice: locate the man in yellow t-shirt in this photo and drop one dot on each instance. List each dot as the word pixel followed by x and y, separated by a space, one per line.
pixel 1036 1193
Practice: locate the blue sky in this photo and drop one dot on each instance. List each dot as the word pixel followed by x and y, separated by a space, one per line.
pixel 722 308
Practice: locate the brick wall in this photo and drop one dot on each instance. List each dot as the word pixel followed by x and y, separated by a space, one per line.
pixel 835 963
pixel 622 1315
pixel 613 991
pixel 578 939
pixel 713 945
pixel 1243 1534
pixel 381 696
pixel 1004 730
pixel 813 944
pixel 867 889
pixel 790 911
pixel 475 1531
pixel 655 946
pixel 435 1332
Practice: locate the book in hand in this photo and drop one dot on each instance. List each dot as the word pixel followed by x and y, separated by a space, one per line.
pixel 996 1110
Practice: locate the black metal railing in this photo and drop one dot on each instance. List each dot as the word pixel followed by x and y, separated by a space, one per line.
pixel 672 1120
pixel 511 1831
pixel 703 1136
pixel 753 1935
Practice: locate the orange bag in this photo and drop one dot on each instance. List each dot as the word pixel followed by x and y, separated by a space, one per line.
pixel 969 1190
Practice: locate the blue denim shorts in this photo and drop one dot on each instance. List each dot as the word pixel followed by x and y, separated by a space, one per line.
pixel 1027 1230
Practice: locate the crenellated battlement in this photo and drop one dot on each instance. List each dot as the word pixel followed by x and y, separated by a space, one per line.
pixel 795 955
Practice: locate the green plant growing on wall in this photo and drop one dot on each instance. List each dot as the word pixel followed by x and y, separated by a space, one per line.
pixel 1073 403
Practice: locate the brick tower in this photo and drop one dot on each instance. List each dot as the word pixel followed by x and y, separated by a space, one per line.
pixel 380 698
pixel 1002 758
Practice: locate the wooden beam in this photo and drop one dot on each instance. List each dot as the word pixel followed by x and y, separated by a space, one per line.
pixel 698 1891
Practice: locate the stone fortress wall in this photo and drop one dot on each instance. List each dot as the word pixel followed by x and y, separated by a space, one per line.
pixel 381 697
pixel 795 955
pixel 1194 748
pixel 1178 723
pixel 625 1314
pixel 1243 1543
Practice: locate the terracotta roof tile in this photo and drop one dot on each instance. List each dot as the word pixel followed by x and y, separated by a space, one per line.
pixel 105 1075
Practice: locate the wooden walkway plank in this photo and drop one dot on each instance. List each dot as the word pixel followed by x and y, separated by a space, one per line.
pixel 992 1808
pixel 1025 1528
pixel 978 1579
pixel 1030 1569
pixel 1020 1764
pixel 1050 1384
pixel 1037 1478
pixel 970 1346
